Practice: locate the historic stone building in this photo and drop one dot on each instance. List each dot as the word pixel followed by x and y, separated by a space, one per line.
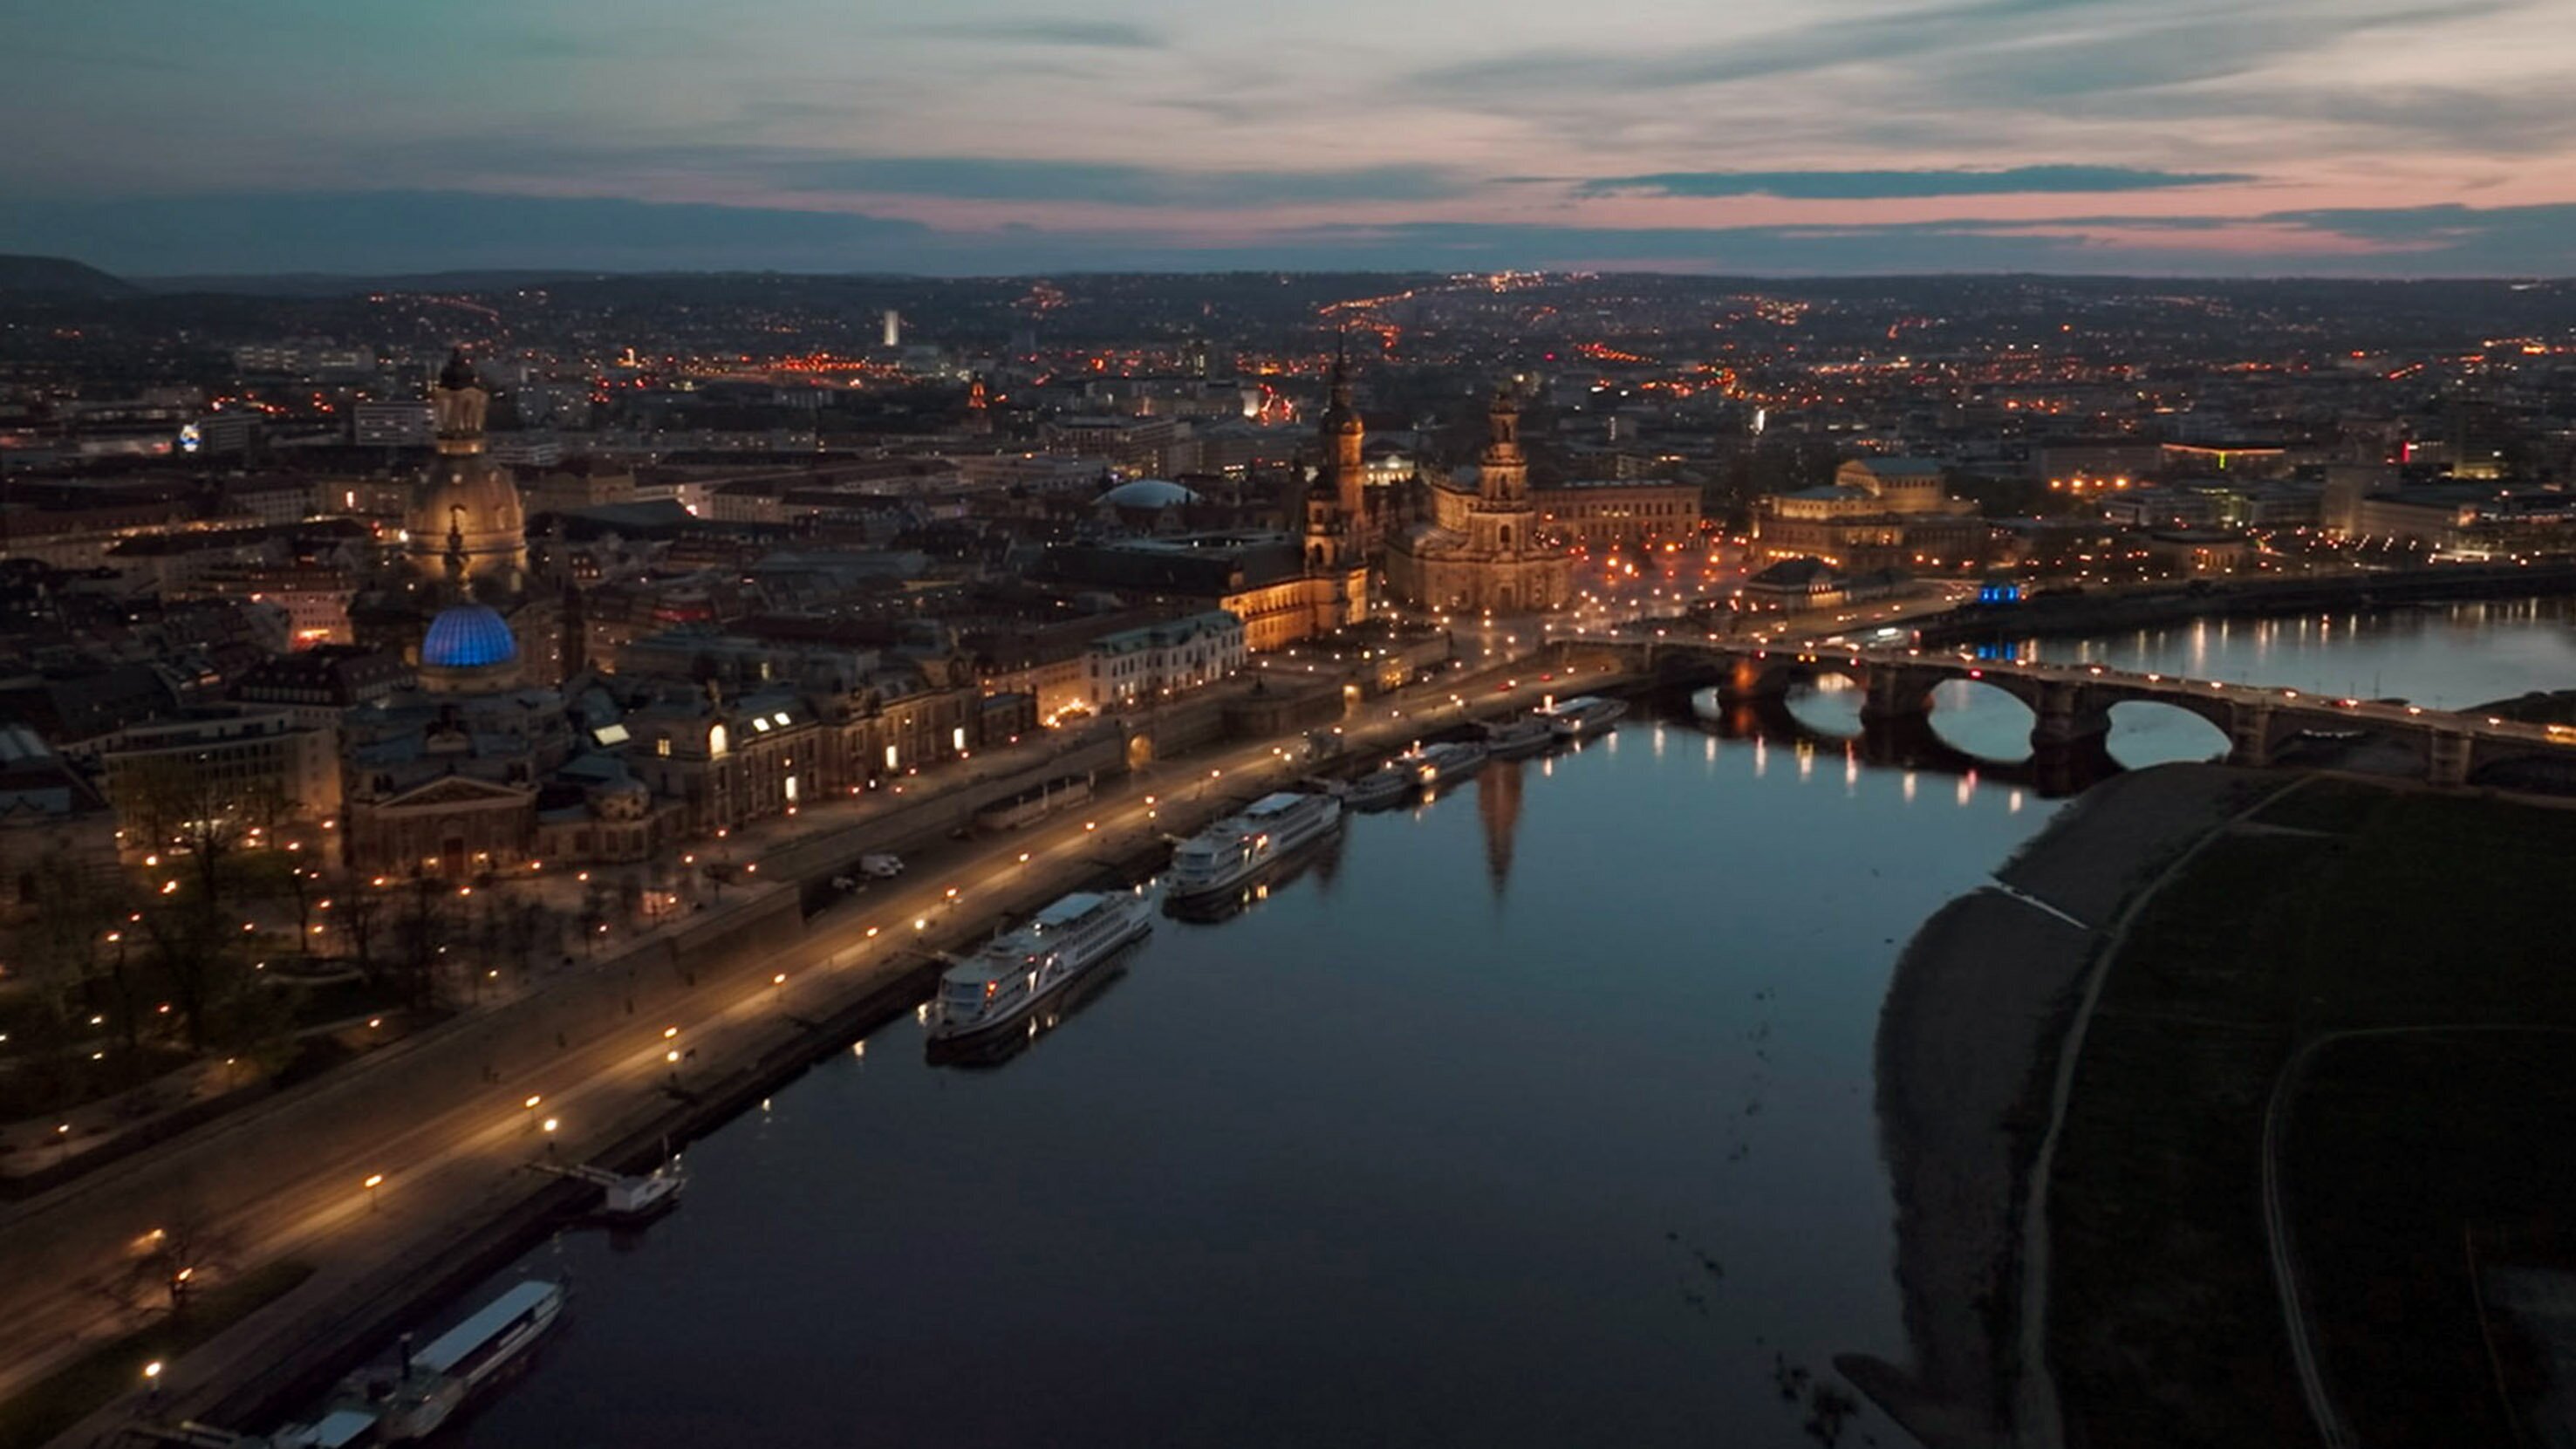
pixel 1480 550
pixel 1284 586
pixel 464 540
pixel 1609 513
pixel 442 779
pixel 1877 513
pixel 1336 533
pixel 465 523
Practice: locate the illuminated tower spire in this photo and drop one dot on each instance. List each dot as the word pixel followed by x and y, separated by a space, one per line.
pixel 1503 473
pixel 1343 435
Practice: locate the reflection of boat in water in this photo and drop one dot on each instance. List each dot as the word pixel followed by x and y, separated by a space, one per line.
pixel 1583 716
pixel 1006 983
pixel 1236 849
pixel 432 1383
pixel 991 1049
pixel 1524 734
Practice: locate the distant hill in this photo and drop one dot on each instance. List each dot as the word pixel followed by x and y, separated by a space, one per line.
pixel 326 284
pixel 338 284
pixel 59 277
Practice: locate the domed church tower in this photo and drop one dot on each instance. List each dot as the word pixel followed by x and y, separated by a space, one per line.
pixel 465 527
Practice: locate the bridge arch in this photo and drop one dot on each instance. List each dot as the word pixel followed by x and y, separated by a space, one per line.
pixel 1982 718
pixel 1773 672
pixel 1831 703
pixel 2147 731
pixel 2539 769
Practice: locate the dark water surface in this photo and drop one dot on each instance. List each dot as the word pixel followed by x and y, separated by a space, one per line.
pixel 1539 1115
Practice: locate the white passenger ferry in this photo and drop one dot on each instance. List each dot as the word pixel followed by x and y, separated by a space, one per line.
pixel 999 986
pixel 1239 847
pixel 1583 715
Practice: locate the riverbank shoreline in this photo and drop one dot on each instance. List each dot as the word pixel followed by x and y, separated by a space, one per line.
pixel 1970 1046
pixel 2048 616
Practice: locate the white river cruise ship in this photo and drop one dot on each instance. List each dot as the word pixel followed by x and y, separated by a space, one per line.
pixel 1002 984
pixel 1239 847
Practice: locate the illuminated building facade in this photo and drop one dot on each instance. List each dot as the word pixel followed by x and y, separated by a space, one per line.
pixel 1481 550
pixel 1605 513
pixel 1877 513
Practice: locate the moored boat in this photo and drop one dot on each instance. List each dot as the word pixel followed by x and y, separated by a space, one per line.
pixel 1436 765
pixel 1523 734
pixel 433 1382
pixel 1583 716
pixel 999 987
pixel 630 1198
pixel 1239 847
pixel 1382 786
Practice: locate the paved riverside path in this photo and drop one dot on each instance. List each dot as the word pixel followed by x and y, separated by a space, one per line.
pixel 460 1160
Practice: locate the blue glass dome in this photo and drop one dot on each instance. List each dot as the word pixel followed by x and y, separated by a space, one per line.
pixel 467 636
pixel 1147 493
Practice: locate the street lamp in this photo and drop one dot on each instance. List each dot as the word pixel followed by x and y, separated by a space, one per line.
pixel 374 1180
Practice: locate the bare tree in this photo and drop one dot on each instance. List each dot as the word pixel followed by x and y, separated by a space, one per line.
pixel 73 943
pixel 169 1265
pixel 423 920
pixel 361 912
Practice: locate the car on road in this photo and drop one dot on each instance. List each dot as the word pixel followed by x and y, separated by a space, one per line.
pixel 881 867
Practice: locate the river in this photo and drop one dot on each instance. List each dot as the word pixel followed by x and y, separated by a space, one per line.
pixel 1537 1115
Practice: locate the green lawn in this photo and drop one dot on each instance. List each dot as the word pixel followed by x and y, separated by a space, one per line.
pixel 88 1383
pixel 2400 1147
pixel 2414 909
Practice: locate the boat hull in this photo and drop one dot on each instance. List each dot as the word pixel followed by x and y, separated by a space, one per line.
pixel 1378 789
pixel 1500 746
pixel 1586 725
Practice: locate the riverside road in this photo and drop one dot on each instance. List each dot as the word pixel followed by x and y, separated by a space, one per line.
pixel 463 1160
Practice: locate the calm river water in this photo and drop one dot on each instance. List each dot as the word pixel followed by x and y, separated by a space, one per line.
pixel 1538 1115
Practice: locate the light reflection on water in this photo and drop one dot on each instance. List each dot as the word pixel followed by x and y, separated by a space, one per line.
pixel 1538 1117
pixel 2450 657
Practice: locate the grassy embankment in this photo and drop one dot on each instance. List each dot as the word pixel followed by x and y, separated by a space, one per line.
pixel 2358 908
pixel 88 1383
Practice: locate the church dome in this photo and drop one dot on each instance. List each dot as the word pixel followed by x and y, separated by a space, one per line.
pixel 468 636
pixel 621 800
pixel 468 505
pixel 1148 494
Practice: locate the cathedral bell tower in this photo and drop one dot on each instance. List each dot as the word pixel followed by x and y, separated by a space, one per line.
pixel 1502 473
pixel 1343 436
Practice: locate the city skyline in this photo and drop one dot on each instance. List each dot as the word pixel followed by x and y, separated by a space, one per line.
pixel 2043 135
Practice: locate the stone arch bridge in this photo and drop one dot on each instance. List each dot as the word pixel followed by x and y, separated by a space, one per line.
pixel 2072 703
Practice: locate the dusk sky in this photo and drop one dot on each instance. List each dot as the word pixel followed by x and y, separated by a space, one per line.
pixel 2350 137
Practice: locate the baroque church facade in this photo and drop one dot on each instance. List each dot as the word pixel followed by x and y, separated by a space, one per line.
pixel 1478 550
